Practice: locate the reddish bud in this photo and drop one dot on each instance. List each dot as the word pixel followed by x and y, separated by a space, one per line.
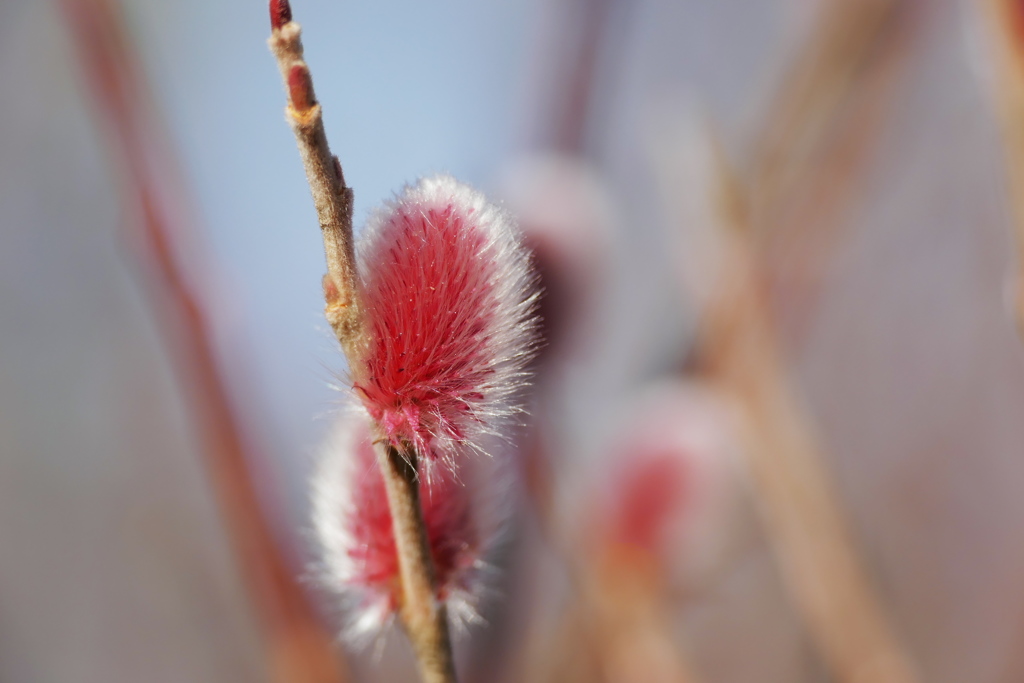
pixel 300 87
pixel 331 292
pixel 448 300
pixel 280 13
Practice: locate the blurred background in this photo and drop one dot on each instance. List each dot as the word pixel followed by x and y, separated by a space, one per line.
pixel 746 214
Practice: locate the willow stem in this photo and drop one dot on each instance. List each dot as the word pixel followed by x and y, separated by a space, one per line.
pixel 331 197
pixel 425 620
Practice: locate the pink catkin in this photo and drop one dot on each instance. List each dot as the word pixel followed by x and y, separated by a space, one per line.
pixel 668 494
pixel 353 523
pixel 652 496
pixel 448 301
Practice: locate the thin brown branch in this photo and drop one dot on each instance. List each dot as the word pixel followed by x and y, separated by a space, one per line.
pixel 616 627
pixel 1005 24
pixel 809 533
pixel 631 619
pixel 848 38
pixel 331 197
pixel 845 74
pixel 811 150
pixel 424 618
pixel 574 92
pixel 300 649
pixel 817 139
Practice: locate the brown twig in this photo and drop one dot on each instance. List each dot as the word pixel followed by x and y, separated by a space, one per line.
pixel 626 593
pixel 574 92
pixel 1005 24
pixel 424 618
pixel 846 38
pixel 301 650
pixel 616 625
pixel 332 199
pixel 810 150
pixel 826 112
pixel 810 535
pixel 817 137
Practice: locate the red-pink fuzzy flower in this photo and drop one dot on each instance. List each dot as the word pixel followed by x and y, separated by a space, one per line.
pixel 670 492
pixel 353 525
pixel 448 301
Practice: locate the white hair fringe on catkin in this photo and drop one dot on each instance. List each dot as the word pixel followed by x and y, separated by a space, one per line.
pixel 365 611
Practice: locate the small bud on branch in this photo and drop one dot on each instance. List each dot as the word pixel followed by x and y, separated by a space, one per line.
pixel 300 89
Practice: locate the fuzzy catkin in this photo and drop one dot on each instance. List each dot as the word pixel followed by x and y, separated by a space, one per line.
pixel 448 301
pixel 353 525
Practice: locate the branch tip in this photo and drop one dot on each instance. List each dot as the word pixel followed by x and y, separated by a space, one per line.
pixel 280 13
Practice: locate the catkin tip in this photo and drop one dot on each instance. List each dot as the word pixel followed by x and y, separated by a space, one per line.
pixel 280 13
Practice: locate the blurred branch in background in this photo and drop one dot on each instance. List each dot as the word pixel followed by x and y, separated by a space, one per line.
pixel 809 533
pixel 574 99
pixel 300 649
pixel 618 624
pixel 1005 30
pixel 815 141
pixel 615 625
pixel 629 620
pixel 775 237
